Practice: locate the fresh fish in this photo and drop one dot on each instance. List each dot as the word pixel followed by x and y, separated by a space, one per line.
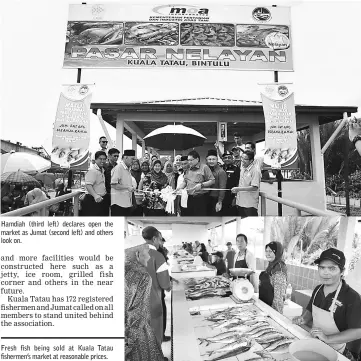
pixel 238 328
pixel 225 323
pixel 265 331
pixel 268 338
pixel 236 351
pixel 279 346
pixel 261 356
pixel 260 328
pixel 241 341
pixel 220 336
pixel 227 339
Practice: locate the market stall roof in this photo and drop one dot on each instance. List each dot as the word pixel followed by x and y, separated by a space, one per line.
pixel 209 105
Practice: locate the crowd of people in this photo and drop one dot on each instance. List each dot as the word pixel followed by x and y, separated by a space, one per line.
pixel 333 312
pixel 223 185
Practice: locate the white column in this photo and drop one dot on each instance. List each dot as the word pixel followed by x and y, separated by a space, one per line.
pixel 317 160
pixel 223 232
pixel 238 225
pixel 134 142
pixel 143 148
pixel 119 133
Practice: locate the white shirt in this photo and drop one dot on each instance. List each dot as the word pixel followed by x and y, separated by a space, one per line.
pixel 121 175
pixel 250 176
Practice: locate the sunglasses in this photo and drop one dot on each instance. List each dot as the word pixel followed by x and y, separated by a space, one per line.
pixel 104 141
pixel 227 157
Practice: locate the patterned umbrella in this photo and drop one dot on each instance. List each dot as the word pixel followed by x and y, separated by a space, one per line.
pixel 19 177
pixel 46 178
pixel 26 162
pixel 174 137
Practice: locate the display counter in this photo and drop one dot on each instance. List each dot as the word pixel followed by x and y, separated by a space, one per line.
pixel 187 329
pixel 178 274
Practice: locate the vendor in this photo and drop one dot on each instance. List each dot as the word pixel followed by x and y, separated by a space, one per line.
pixel 334 307
pixel 273 281
pixel 218 263
pixel 244 258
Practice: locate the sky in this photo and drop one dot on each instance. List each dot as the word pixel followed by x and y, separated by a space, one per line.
pixel 326 51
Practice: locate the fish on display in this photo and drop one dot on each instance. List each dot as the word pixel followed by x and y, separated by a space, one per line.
pixel 223 338
pixel 279 346
pixel 261 356
pixel 226 323
pixel 265 331
pixel 241 341
pixel 268 338
pixel 234 352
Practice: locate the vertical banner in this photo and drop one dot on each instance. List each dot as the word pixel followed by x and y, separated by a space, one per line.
pixel 222 132
pixel 280 117
pixel 71 132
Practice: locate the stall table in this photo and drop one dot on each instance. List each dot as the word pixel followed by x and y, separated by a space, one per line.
pixel 187 329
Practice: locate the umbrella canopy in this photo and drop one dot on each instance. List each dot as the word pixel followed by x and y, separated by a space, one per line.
pixel 46 178
pixel 26 162
pixel 19 177
pixel 174 137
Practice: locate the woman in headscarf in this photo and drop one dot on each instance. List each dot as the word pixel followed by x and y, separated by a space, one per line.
pixel 37 196
pixel 152 184
pixel 273 281
pixel 136 172
pixel 145 169
pixel 168 171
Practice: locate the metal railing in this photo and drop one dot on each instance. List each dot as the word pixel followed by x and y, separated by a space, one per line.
pixel 41 207
pixel 299 207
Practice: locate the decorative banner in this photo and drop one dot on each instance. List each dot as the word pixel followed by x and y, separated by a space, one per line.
pixel 179 36
pixel 222 132
pixel 71 128
pixel 280 117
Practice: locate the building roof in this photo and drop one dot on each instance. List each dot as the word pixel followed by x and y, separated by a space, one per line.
pixel 204 101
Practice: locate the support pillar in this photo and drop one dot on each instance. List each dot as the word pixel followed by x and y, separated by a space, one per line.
pixel 317 159
pixel 119 133
pixel 134 142
pixel 238 225
pixel 223 237
pixel 143 148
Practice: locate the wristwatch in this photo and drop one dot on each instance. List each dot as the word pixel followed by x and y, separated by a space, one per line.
pixel 356 139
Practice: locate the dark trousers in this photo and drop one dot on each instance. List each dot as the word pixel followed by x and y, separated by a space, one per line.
pixel 211 207
pixel 154 212
pixel 118 211
pixel 164 307
pixel 90 208
pixel 196 206
pixel 247 212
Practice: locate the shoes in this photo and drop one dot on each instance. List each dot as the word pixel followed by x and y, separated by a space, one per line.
pixel 166 338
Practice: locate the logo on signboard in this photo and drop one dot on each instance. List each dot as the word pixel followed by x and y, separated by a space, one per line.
pixel 180 10
pixel 83 89
pixel 97 9
pixel 277 41
pixel 282 90
pixel 261 14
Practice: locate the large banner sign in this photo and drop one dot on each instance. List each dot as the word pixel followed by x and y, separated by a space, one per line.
pixel 71 127
pixel 178 36
pixel 280 117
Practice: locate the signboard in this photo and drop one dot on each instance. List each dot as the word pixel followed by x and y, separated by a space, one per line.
pixel 280 117
pixel 71 127
pixel 178 36
pixel 222 132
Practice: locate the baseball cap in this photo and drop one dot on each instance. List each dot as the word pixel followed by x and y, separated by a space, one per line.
pixel 229 244
pixel 133 241
pixel 227 152
pixel 219 254
pixel 333 255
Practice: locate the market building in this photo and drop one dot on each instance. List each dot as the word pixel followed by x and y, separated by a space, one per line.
pixel 136 120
